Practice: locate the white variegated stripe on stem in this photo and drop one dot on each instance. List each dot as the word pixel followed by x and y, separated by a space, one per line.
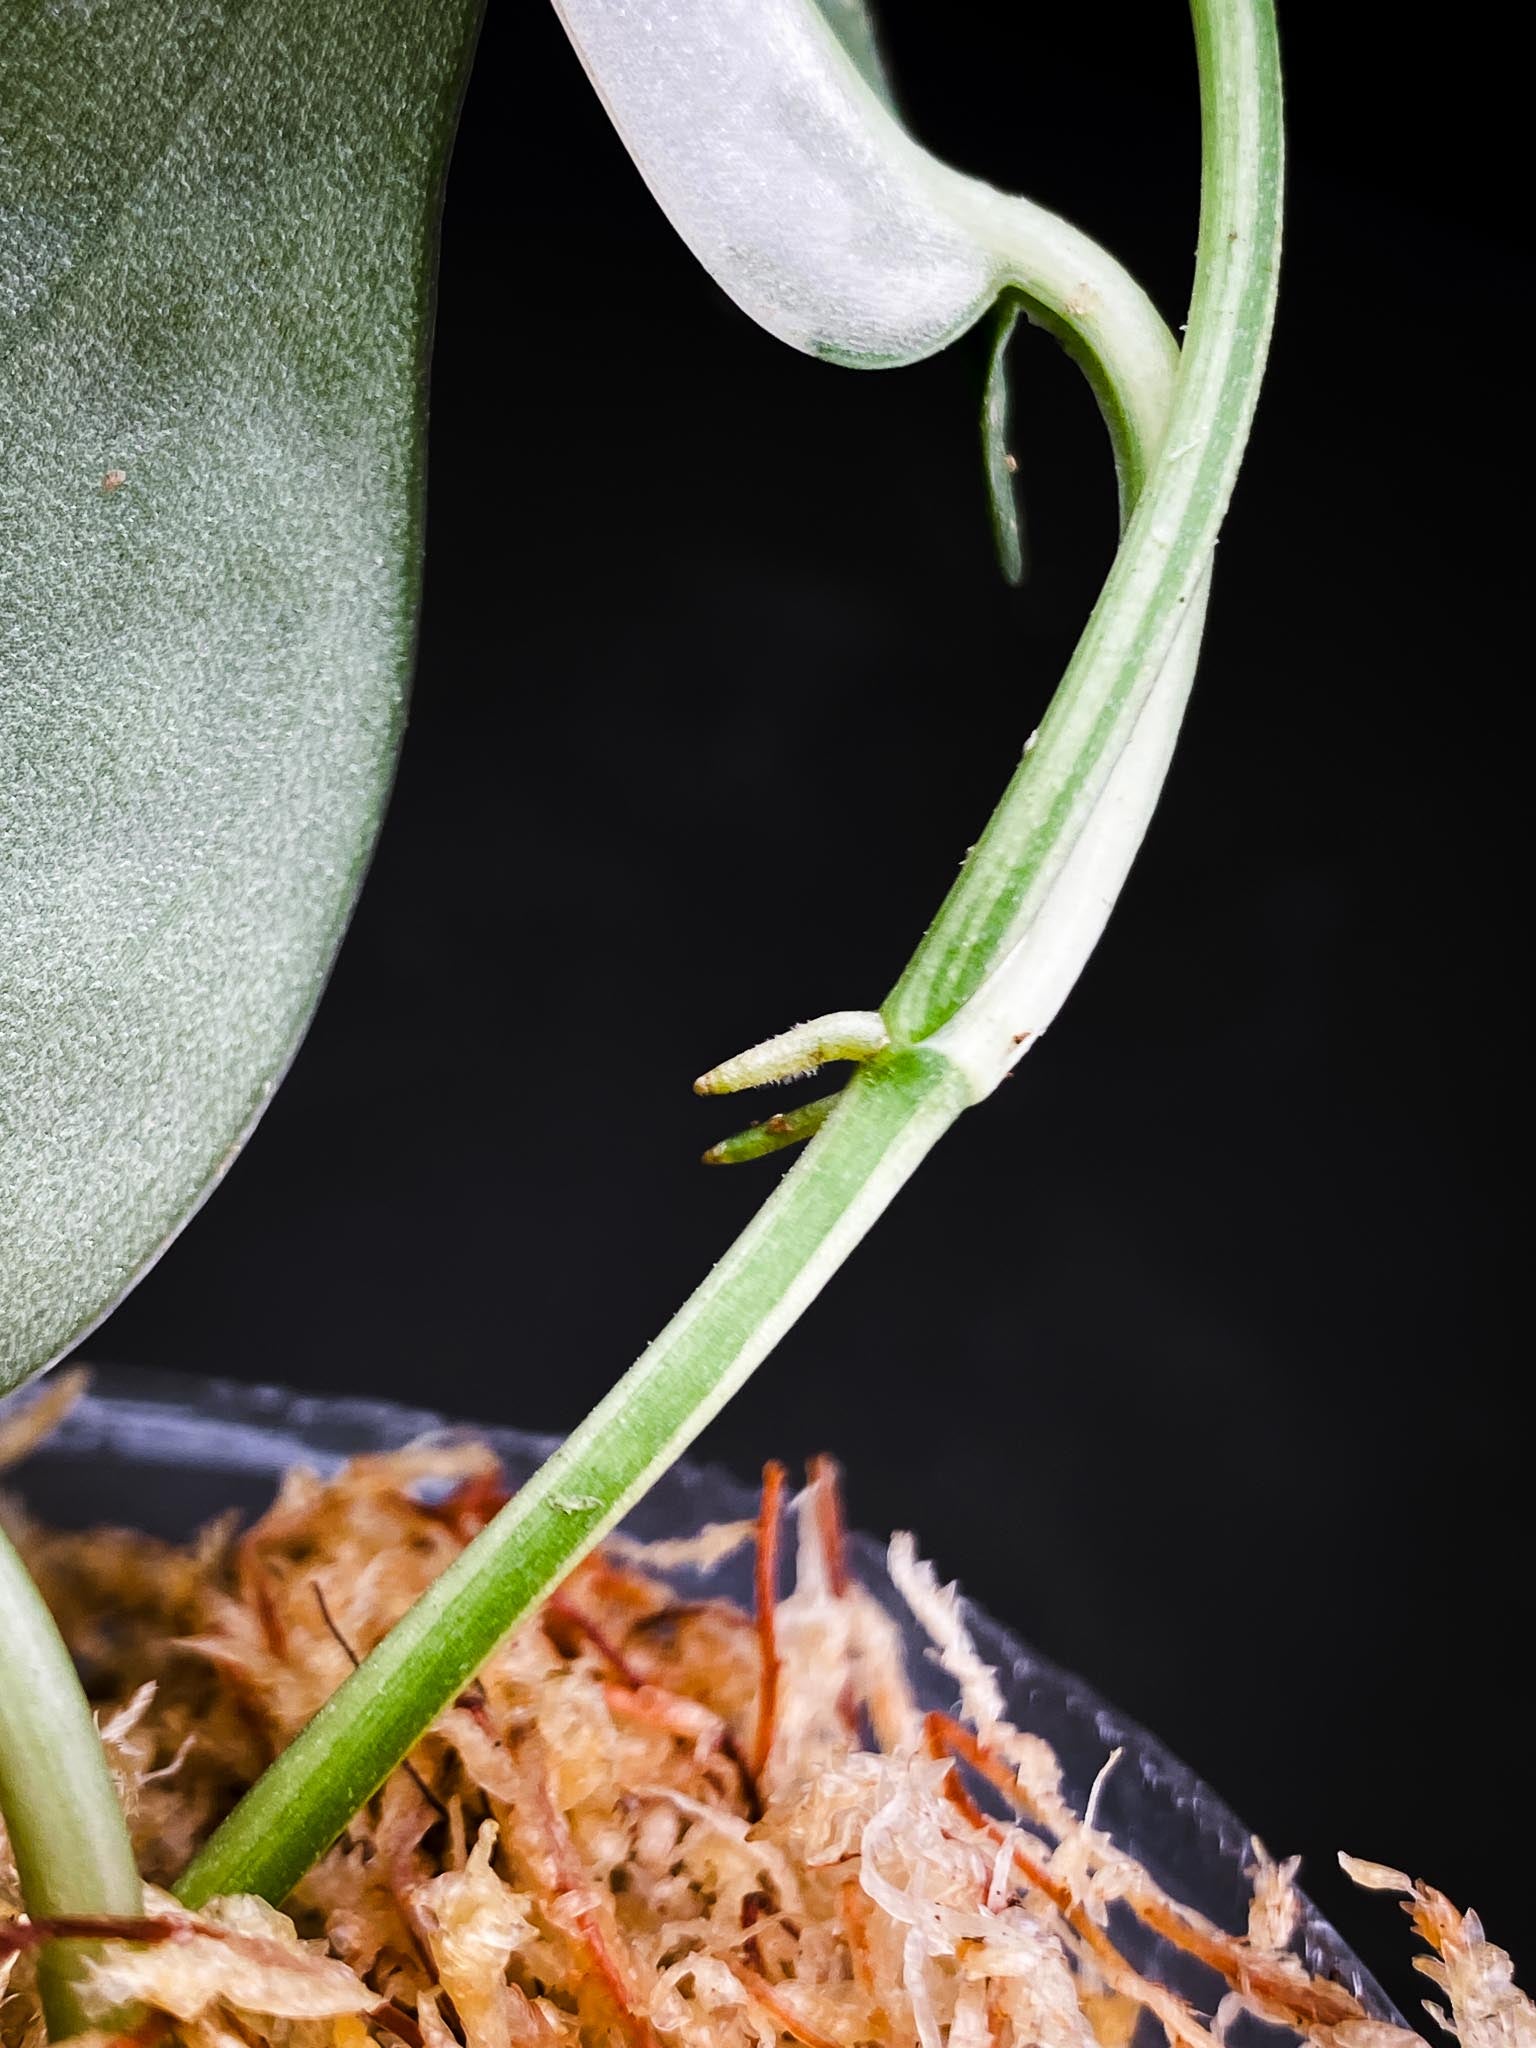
pixel 1151 588
pixel 1011 1011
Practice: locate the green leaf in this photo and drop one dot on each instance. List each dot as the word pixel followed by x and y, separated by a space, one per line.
pixel 217 221
pixel 59 1805
pixel 854 26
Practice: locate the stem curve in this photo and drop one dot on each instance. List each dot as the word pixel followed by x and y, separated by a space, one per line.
pixel 1168 539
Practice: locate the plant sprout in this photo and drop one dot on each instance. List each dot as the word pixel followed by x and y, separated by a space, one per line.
pixel 217 264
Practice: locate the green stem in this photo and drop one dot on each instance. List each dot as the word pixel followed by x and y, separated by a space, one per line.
pixel 902 1101
pixel 889 1116
pixel 72 1852
pixel 1168 540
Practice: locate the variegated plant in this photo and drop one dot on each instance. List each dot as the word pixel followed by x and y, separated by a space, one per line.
pixel 217 230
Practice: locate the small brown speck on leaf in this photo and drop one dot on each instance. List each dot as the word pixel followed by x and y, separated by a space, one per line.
pixel 114 479
pixel 1011 464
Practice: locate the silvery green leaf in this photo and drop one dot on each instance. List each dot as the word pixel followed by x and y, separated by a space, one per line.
pixel 854 26
pixel 216 230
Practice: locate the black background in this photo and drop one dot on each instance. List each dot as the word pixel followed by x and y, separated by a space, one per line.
pixel 1188 1354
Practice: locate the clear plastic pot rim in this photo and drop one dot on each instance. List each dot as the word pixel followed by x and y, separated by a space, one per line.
pixel 165 1452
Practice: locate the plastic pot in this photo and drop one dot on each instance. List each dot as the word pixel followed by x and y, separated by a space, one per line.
pixel 165 1453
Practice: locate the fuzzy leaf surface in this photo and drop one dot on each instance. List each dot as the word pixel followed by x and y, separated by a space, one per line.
pixel 766 131
pixel 217 220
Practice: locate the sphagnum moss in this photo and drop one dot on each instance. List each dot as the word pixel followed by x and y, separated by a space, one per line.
pixel 649 1820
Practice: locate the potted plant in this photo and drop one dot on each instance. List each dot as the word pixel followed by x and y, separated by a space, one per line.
pixel 297 448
